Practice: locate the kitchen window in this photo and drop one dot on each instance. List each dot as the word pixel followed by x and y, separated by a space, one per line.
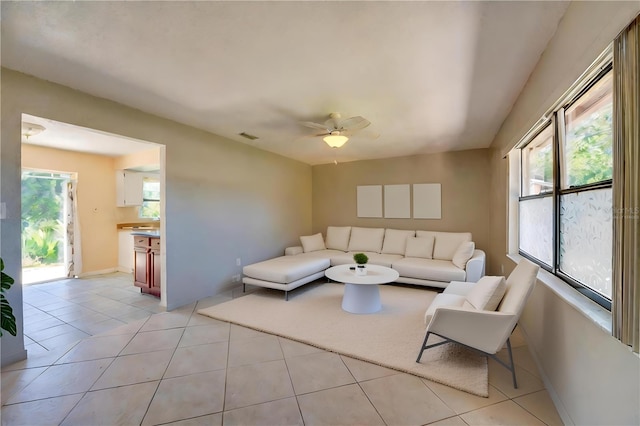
pixel 150 208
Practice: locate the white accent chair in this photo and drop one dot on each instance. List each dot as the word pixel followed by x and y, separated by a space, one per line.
pixel 453 316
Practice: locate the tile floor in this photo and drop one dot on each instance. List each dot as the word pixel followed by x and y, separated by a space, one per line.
pixel 183 368
pixel 60 313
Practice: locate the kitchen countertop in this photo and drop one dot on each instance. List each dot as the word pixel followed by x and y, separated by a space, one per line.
pixel 147 233
pixel 153 225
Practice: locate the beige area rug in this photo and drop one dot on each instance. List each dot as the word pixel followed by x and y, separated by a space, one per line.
pixel 390 337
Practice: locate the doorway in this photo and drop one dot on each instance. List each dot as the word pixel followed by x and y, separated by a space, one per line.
pixel 45 216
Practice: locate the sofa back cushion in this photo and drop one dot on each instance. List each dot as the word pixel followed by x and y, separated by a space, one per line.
pixel 446 243
pixel 366 239
pixel 463 254
pixel 487 293
pixel 338 237
pixel 395 241
pixel 312 243
pixel 419 247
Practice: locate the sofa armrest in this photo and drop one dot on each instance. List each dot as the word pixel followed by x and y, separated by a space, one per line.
pixel 475 266
pixel 291 251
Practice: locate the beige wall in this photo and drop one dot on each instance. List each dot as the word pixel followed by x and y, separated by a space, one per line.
pixel 96 200
pixel 464 176
pixel 147 160
pixel 223 199
pixel 592 378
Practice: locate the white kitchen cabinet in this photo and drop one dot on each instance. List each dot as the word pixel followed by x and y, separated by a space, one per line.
pixel 128 188
pixel 125 251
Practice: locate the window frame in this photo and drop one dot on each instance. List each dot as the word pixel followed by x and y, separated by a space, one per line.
pixel 556 120
pixel 144 199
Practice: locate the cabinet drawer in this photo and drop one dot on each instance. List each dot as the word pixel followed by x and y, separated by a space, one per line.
pixel 155 243
pixel 140 241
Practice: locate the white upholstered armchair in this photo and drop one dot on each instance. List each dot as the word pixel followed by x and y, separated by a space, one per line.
pixel 466 313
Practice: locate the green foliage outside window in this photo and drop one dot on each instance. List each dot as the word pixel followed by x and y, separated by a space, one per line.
pixel 589 150
pixel 42 227
pixel 151 198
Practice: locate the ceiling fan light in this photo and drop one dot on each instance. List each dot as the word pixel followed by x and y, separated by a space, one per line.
pixel 31 129
pixel 335 141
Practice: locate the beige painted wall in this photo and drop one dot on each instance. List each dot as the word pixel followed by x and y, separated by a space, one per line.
pixel 96 200
pixel 149 159
pixel 592 378
pixel 224 200
pixel 464 176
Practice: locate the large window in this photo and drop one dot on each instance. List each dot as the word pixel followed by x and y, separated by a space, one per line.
pixel 536 202
pixel 565 207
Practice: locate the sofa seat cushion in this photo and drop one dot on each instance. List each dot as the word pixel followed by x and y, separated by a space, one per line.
pixel 286 269
pixel 322 254
pixel 347 258
pixel 374 258
pixel 443 299
pixel 429 269
pixel 379 258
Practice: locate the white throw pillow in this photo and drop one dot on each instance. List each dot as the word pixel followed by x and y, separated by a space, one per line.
pixel 395 241
pixel 463 254
pixel 366 239
pixel 419 247
pixel 338 237
pixel 312 243
pixel 446 242
pixel 487 293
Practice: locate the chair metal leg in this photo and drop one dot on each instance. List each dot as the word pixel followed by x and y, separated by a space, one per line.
pixel 513 367
pixel 244 288
pixel 286 296
pixel 423 347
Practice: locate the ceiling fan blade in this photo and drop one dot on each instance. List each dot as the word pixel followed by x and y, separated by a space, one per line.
pixel 367 134
pixel 310 136
pixel 354 123
pixel 315 125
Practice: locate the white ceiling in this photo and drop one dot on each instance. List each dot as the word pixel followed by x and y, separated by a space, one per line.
pixel 74 138
pixel 430 76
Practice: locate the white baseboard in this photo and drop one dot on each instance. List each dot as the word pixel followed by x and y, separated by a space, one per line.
pixel 100 272
pixel 124 269
pixel 555 398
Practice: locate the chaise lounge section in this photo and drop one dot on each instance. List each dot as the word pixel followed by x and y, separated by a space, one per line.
pixel 426 258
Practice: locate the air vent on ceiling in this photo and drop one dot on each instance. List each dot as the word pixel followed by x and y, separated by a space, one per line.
pixel 248 136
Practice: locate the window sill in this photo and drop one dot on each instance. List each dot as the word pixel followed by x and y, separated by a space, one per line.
pixel 587 307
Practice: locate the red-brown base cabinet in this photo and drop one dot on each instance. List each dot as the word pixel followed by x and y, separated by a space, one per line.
pixel 146 264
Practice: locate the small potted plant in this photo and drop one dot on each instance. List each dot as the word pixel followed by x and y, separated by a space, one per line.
pixel 361 260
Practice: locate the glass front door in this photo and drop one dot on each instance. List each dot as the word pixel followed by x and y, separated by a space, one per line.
pixel 43 225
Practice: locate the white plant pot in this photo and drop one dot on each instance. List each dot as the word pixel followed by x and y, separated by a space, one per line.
pixel 361 270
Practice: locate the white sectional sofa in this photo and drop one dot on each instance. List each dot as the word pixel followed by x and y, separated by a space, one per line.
pixel 421 257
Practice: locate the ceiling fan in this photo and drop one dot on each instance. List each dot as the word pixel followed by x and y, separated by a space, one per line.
pixel 336 131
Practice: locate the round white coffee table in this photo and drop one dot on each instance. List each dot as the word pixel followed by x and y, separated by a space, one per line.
pixel 361 292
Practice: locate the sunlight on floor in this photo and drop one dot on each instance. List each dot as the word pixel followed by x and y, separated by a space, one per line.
pixel 42 273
